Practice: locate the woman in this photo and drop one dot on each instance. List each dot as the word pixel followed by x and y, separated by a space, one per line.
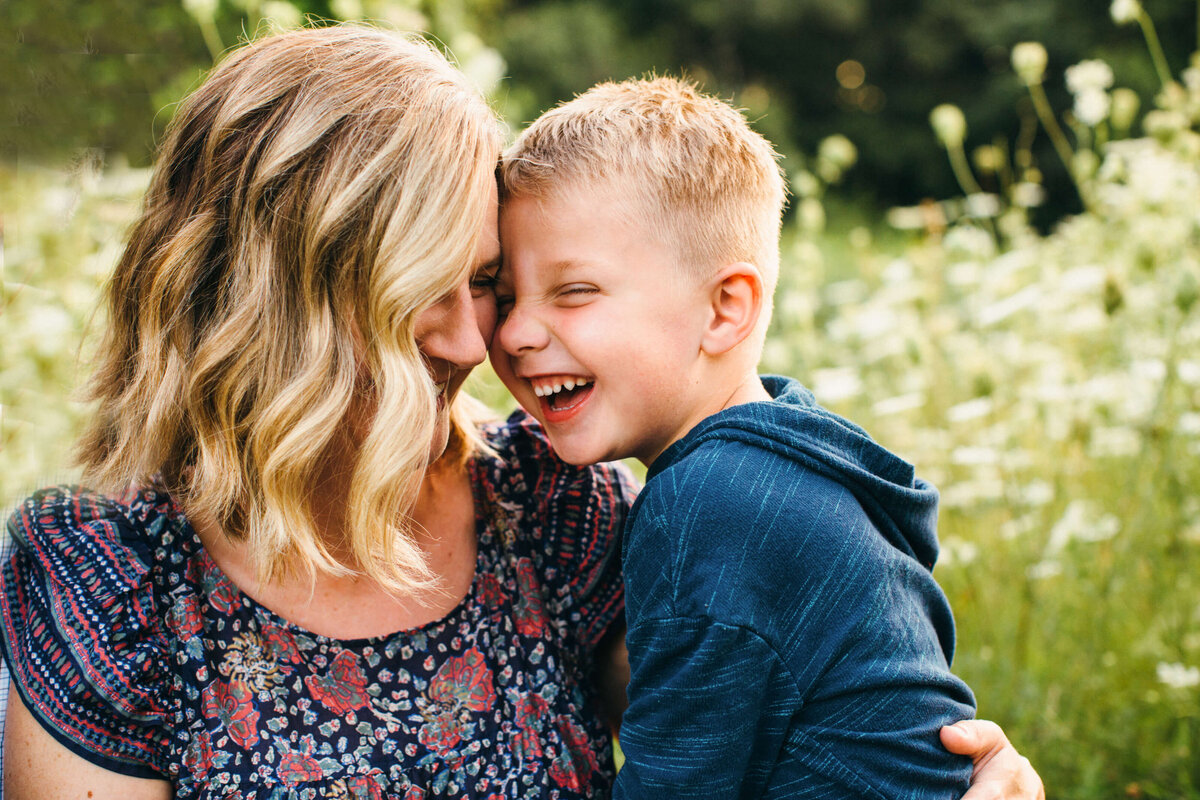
pixel 312 573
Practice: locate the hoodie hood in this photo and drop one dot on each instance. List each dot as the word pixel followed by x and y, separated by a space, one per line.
pixel 902 506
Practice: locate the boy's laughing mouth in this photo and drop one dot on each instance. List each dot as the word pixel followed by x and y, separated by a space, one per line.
pixel 561 396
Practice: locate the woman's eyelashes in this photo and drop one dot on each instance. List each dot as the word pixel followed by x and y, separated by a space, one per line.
pixel 485 280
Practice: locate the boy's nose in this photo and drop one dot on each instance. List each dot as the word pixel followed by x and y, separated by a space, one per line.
pixel 521 332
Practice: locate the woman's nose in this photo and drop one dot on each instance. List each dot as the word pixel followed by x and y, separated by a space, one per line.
pixel 451 331
pixel 521 331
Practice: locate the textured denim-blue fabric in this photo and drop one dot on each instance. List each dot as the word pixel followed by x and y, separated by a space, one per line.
pixel 786 637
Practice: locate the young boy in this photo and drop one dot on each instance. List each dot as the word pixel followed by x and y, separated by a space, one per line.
pixel 786 637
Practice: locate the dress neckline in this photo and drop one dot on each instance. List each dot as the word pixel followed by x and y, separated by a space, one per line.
pixel 480 499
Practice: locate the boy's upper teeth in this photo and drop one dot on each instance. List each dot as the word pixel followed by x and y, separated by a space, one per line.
pixel 544 387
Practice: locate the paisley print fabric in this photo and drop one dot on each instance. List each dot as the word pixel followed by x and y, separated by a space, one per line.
pixel 135 651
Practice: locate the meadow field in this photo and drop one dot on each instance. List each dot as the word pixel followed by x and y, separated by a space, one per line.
pixel 1048 382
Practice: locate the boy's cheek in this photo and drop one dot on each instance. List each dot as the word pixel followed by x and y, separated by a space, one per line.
pixel 502 365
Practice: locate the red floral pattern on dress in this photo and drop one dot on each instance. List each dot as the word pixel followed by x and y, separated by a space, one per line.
pixel 281 644
pixel 464 681
pixel 298 768
pixel 232 704
pixel 185 619
pixel 366 787
pixel 576 762
pixel 491 594
pixel 344 687
pixel 530 611
pixel 441 734
pixel 199 757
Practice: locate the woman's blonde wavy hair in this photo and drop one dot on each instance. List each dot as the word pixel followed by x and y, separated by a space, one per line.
pixel 321 188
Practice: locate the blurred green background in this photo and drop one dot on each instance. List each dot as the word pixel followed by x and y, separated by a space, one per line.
pixel 991 261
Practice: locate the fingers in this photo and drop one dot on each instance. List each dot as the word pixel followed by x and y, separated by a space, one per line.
pixel 1001 773
pixel 977 738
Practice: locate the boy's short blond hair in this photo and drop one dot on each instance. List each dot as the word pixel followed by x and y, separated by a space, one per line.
pixel 690 163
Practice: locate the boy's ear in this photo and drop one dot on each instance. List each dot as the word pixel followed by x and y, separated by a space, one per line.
pixel 735 298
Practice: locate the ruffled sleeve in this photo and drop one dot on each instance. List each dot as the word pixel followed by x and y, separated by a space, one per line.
pixel 577 517
pixel 79 629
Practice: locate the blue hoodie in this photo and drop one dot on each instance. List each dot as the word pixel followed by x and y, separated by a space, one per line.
pixel 786 637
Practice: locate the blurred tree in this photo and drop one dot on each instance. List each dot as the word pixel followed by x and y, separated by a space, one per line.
pixel 870 69
pixel 91 74
pixel 98 73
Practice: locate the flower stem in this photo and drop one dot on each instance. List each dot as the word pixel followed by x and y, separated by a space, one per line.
pixel 1156 51
pixel 962 170
pixel 212 39
pixel 1059 139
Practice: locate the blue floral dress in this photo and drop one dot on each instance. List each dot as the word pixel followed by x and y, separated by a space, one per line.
pixel 136 652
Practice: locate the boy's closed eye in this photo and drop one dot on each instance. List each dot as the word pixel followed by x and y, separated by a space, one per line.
pixel 577 294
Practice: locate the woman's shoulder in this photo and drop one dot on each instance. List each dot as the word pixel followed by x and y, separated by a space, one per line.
pixel 69 532
pixel 77 591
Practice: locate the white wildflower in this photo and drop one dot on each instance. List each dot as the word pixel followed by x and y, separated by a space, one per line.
pixel 983 205
pixel 838 150
pixel 899 271
pixel 847 292
pixel 907 218
pixel 49 330
pixel 971 409
pixel 1189 424
pixel 1090 75
pixel 1043 570
pixel 1026 194
pixel 1037 493
pixel 1015 528
pixel 968 494
pixel 1083 279
pixel 347 9
pixel 898 404
pixel 1079 523
pixel 1029 61
pixel 975 456
pixel 202 10
pixel 1178 676
pixel 949 124
pixel 1125 11
pixel 957 552
pixel 1003 309
pixel 485 68
pixel 1114 441
pixel 1092 107
pixel 282 14
pixel 837 384
pixel 1125 104
pixel 970 241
